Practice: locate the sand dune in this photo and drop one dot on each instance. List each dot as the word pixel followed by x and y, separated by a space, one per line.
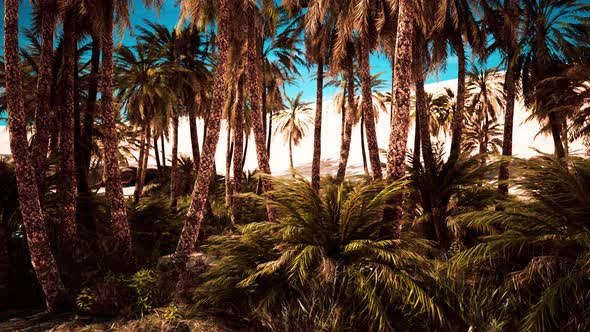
pixel 526 140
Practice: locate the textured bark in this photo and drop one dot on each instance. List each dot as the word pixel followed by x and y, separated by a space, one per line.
pixel 398 139
pixel 190 231
pixel 89 113
pixel 457 125
pixel 67 186
pixel 40 143
pixel 510 91
pixel 365 75
pixel 174 176
pixel 255 89
pixel 317 130
pixel 421 112
pixel 114 190
pixel 139 171
pixel 238 185
pixel 192 119
pixel 348 122
pixel 34 224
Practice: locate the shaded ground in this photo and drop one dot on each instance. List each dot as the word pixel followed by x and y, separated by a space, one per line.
pixel 31 320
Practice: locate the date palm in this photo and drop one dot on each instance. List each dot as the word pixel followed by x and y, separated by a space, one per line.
pixel 293 123
pixel 42 258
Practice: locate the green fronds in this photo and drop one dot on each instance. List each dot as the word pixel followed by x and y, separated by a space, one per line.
pixel 327 251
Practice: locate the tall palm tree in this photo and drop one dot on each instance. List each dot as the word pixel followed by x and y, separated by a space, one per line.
pixel 293 122
pixel 40 144
pixel 33 219
pixel 400 124
pixel 552 34
pixel 194 217
pixel 67 187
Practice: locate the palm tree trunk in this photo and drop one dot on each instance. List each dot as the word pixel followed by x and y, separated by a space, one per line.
pixel 194 217
pixel 270 116
pixel 396 153
pixel 34 222
pixel 163 150
pixel 291 156
pixel 67 187
pixel 417 140
pixel 174 178
pixel 40 143
pixel 146 158
pixel 157 153
pixel 555 124
pixel 365 74
pixel 238 149
pixel 458 116
pixel 421 112
pixel 229 151
pixel 348 121
pixel 142 151
pixel 256 87
pixel 114 189
pixel 88 122
pixel 364 153
pixel 510 91
pixel 245 152
pixel 192 119
pixel 317 132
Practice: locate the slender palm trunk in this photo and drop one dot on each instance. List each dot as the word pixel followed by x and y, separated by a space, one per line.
pixel 363 151
pixel 396 153
pixel 41 139
pixel 556 130
pixel 229 152
pixel 194 217
pixel 238 149
pixel 67 187
pixel 348 121
pixel 269 139
pixel 417 140
pixel 32 215
pixel 143 153
pixel 174 176
pixel 317 132
pixel 192 119
pixel 157 153
pixel 163 150
pixel 245 151
pixel 89 113
pixel 256 87
pixel 365 73
pixel 510 91
pixel 291 157
pixel 421 112
pixel 114 189
pixel 457 125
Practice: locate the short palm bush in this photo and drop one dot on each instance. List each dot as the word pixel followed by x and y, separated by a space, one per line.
pixel 532 269
pixel 328 264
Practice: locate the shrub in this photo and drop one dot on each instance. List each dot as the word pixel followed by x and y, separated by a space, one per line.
pixel 330 263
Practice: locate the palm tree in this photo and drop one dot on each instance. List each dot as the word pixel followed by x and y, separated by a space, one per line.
pixel 30 206
pixel 293 122
pixel 67 188
pixel 40 144
pixel 552 34
pixel 486 100
pixel 400 124
pixel 194 217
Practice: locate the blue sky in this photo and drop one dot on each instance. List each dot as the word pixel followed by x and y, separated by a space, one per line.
pixel 169 14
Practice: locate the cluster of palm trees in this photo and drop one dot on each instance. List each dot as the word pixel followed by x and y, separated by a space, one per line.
pixel 230 60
